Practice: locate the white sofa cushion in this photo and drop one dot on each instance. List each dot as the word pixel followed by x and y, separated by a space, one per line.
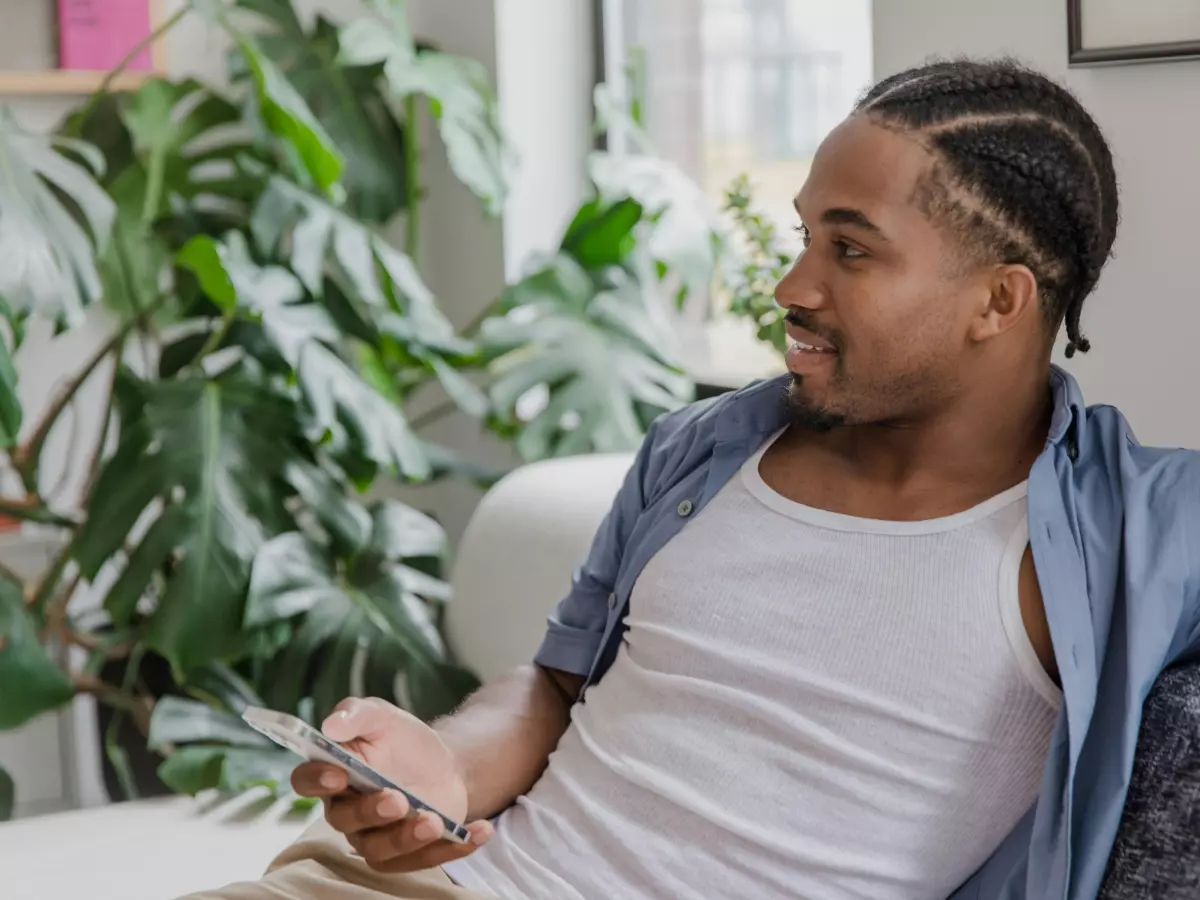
pixel 147 850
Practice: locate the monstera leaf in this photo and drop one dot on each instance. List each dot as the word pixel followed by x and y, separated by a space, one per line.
pixel 346 101
pixel 374 616
pixel 379 286
pixel 343 405
pixel 688 234
pixel 204 461
pixel 457 88
pixel 211 747
pixel 186 131
pixel 48 244
pixel 178 150
pixel 33 683
pixel 280 106
pixel 593 341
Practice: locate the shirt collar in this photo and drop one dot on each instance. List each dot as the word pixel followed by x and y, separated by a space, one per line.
pixel 1068 409
pixel 760 411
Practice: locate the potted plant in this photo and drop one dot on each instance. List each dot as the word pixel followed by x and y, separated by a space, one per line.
pixel 265 340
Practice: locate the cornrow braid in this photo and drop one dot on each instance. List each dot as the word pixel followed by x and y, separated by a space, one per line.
pixel 1022 172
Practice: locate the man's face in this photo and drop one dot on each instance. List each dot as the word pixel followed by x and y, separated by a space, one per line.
pixel 880 301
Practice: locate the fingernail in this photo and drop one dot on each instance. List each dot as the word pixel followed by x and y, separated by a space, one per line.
pixel 389 806
pixel 426 830
pixel 342 714
pixel 330 780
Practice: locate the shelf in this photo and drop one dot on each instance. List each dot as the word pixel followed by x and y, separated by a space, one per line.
pixel 66 82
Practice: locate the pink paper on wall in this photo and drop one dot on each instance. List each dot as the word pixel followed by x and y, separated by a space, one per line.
pixel 96 34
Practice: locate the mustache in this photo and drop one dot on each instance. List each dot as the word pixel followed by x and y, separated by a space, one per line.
pixel 806 319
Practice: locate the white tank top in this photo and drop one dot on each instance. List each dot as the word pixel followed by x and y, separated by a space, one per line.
pixel 806 704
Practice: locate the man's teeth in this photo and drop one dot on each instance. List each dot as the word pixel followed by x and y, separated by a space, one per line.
pixel 800 345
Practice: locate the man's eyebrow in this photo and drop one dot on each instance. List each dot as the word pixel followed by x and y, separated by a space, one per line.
pixel 844 215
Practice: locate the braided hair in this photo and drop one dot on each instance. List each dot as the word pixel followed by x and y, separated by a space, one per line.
pixel 1022 173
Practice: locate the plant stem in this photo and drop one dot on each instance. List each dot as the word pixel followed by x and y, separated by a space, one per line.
pixel 26 457
pixel 92 472
pixel 480 317
pixel 45 588
pixel 215 337
pixel 412 179
pixel 56 610
pixel 34 511
pixel 6 572
pixel 113 696
pixel 94 644
pixel 120 67
pixel 435 414
pixel 154 188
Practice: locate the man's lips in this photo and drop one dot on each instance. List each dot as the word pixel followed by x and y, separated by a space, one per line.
pixel 807 340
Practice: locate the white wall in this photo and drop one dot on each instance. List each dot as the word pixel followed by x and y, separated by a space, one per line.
pixel 1144 318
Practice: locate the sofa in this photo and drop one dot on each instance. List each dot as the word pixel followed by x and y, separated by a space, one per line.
pixel 513 562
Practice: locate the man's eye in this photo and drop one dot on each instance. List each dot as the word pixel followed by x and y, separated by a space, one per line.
pixel 847 251
pixel 805 234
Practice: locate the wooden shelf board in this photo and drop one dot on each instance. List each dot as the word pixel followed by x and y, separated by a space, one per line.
pixel 66 82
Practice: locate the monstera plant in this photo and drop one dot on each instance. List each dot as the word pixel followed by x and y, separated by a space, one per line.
pixel 263 339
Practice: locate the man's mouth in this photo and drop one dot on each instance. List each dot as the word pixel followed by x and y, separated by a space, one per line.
pixel 805 341
pixel 801 347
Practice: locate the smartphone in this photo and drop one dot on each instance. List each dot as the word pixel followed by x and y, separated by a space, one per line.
pixel 299 737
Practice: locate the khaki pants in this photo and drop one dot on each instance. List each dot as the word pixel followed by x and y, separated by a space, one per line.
pixel 321 866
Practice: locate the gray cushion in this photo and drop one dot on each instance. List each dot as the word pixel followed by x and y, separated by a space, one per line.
pixel 1157 852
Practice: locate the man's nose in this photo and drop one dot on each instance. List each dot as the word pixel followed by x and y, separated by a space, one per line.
pixel 802 285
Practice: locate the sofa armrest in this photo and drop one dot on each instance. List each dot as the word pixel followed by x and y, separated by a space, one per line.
pixel 1157 852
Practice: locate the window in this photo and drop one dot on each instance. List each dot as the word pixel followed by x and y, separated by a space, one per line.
pixel 743 86
pixel 738 87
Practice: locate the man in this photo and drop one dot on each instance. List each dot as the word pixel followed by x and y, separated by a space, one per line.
pixel 881 629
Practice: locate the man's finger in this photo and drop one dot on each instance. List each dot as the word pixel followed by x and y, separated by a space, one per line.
pixel 319 780
pixel 354 813
pixel 357 718
pixel 440 852
pixel 401 839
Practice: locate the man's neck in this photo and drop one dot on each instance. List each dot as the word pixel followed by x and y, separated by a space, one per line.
pixel 983 444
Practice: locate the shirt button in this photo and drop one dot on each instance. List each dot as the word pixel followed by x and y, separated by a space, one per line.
pixel 612 601
pixel 684 508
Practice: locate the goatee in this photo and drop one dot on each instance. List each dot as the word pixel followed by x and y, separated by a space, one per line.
pixel 805 415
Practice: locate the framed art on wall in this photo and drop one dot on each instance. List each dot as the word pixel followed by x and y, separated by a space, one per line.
pixel 1119 31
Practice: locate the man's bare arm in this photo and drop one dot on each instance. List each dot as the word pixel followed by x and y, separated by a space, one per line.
pixel 504 734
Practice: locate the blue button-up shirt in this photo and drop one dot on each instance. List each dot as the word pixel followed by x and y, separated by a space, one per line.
pixel 1115 533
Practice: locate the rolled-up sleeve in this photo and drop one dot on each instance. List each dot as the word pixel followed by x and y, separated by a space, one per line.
pixel 576 628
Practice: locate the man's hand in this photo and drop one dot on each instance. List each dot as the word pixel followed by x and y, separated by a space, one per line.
pixel 411 754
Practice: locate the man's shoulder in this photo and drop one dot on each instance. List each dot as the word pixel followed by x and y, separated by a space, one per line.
pixel 758 403
pixel 1166 479
pixel 682 441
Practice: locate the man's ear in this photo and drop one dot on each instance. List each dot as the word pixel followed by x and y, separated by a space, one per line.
pixel 1012 298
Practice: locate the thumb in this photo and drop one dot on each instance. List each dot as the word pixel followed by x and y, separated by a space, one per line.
pixel 357 719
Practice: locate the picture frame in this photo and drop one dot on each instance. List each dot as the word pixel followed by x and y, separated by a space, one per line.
pixel 1110 32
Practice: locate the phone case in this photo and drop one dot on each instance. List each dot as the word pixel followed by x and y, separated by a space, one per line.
pixel 304 740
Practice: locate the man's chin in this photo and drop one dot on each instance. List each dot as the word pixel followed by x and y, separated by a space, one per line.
pixel 808 414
